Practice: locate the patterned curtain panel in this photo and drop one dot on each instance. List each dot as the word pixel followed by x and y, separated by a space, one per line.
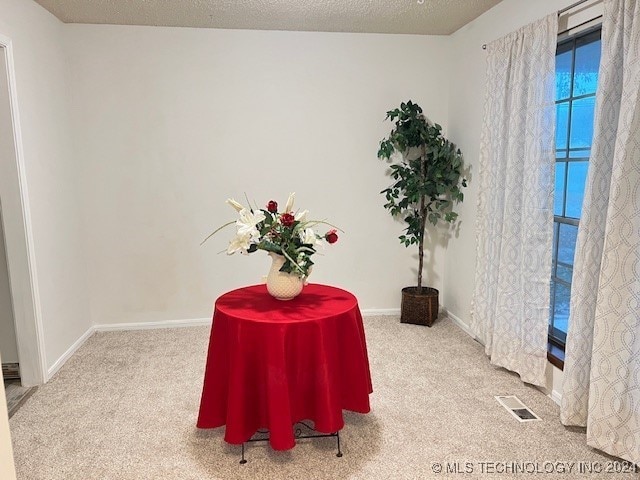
pixel 602 367
pixel 514 227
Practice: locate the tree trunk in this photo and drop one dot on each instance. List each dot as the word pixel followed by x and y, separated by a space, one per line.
pixel 420 252
pixel 423 222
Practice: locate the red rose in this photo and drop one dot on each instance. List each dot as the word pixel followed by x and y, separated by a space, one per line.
pixel 272 206
pixel 331 236
pixel 287 219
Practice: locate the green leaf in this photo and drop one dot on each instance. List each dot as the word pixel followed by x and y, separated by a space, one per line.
pixel 425 186
pixel 216 231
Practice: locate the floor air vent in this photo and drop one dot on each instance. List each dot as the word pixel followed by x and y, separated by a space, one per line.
pixel 518 409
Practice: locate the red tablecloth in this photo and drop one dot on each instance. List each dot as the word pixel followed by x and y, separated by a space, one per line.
pixel 272 363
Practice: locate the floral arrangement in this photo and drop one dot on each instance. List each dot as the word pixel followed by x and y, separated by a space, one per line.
pixel 285 233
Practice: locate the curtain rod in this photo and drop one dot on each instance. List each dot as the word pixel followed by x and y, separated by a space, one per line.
pixel 560 12
pixel 573 5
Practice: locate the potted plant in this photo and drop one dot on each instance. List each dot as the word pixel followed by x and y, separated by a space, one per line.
pixel 427 170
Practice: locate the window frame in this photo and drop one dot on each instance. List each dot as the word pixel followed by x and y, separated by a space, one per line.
pixel 557 338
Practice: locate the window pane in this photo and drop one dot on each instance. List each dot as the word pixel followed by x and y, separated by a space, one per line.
pixel 562 125
pixel 558 200
pixel 585 79
pixel 577 178
pixel 577 65
pixel 561 307
pixel 567 243
pixel 582 122
pixel 564 273
pixel 563 75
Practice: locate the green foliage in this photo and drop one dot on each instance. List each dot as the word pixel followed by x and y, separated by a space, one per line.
pixel 288 234
pixel 427 174
pixel 286 241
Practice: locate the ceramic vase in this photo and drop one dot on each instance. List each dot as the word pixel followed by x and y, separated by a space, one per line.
pixel 282 285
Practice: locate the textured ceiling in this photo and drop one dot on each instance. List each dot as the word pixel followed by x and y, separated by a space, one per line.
pixel 426 17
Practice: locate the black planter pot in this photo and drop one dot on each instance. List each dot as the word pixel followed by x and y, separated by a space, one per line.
pixel 419 308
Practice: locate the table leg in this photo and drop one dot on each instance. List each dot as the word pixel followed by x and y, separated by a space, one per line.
pixel 298 434
pixel 243 461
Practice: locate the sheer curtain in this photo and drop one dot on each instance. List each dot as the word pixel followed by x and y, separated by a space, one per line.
pixel 514 226
pixel 602 367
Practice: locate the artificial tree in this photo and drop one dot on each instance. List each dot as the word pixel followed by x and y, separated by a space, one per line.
pixel 427 169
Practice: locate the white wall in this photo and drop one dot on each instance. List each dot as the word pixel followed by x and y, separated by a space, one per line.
pixel 166 123
pixel 8 345
pixel 7 468
pixel 466 103
pixel 51 176
pixel 169 122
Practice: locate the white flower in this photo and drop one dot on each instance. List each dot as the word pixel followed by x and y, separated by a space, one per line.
pixel 234 204
pixel 309 237
pixel 289 206
pixel 247 223
pixel 302 216
pixel 240 243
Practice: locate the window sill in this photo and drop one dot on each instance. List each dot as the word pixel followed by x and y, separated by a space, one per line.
pixel 555 355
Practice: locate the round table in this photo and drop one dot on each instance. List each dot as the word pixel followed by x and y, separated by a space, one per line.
pixel 273 363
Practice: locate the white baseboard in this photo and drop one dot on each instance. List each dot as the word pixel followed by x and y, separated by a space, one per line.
pixel 192 322
pixel 189 322
pixel 460 323
pixel 197 322
pixel 380 312
pixel 554 395
pixel 67 355
pixel 375 312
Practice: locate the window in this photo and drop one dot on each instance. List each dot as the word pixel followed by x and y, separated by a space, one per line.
pixel 577 63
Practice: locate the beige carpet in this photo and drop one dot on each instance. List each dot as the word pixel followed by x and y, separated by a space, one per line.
pixel 125 406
